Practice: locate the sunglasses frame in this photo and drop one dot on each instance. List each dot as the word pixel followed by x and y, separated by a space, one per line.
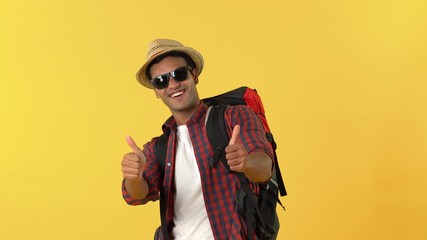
pixel 168 76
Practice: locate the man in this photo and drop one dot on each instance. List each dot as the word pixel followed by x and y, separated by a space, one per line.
pixel 200 200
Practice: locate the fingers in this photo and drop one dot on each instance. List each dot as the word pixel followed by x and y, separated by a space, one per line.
pixel 132 166
pixel 235 154
pixel 237 165
pixel 234 135
pixel 133 145
pixel 130 159
pixel 130 171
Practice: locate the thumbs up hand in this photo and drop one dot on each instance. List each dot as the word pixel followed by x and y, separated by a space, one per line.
pixel 236 154
pixel 133 163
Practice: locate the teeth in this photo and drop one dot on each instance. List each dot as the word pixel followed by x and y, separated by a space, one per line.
pixel 176 94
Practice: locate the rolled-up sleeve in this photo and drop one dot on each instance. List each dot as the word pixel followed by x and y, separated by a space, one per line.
pixel 252 133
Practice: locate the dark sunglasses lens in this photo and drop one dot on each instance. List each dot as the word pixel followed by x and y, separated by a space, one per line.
pixel 180 74
pixel 161 82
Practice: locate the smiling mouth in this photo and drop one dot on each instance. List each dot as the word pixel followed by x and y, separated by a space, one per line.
pixel 176 94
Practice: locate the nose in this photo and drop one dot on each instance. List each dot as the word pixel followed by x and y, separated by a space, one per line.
pixel 173 83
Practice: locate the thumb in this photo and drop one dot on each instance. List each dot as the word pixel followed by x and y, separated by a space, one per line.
pixel 133 146
pixel 235 135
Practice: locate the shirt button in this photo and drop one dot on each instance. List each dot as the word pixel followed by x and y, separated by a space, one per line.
pixel 169 164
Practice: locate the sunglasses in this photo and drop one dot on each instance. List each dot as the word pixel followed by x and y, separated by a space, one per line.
pixel 179 74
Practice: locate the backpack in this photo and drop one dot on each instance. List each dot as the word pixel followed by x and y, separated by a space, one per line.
pixel 259 212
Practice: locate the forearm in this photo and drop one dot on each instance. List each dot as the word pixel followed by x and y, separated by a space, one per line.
pixel 137 189
pixel 258 167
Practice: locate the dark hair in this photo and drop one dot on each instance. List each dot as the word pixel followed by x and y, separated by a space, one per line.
pixel 185 56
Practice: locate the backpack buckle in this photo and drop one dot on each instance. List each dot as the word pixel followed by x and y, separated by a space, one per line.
pixel 216 155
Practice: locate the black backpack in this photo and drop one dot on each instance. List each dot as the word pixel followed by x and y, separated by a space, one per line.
pixel 259 212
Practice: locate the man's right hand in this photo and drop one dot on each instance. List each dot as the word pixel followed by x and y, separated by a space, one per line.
pixel 133 163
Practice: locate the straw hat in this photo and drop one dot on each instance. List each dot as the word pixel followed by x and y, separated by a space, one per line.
pixel 161 46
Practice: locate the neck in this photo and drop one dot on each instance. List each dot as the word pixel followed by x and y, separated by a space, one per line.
pixel 181 117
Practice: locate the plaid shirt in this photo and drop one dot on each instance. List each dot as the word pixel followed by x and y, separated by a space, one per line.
pixel 218 186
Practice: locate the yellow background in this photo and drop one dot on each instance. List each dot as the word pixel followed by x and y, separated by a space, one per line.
pixel 343 83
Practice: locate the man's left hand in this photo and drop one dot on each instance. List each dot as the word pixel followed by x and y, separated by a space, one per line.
pixel 236 154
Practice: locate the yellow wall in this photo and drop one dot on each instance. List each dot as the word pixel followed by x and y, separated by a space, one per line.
pixel 343 82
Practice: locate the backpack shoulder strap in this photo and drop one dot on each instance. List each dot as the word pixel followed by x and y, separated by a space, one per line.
pixel 280 183
pixel 160 153
pixel 218 138
pixel 217 135
pixel 160 150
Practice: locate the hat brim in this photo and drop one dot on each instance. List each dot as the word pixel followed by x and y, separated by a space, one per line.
pixel 197 58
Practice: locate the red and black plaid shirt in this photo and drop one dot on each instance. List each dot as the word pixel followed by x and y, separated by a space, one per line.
pixel 218 186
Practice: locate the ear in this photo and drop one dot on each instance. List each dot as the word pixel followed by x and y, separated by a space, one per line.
pixel 195 75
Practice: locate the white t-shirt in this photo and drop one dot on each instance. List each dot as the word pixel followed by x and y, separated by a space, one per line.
pixel 190 217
